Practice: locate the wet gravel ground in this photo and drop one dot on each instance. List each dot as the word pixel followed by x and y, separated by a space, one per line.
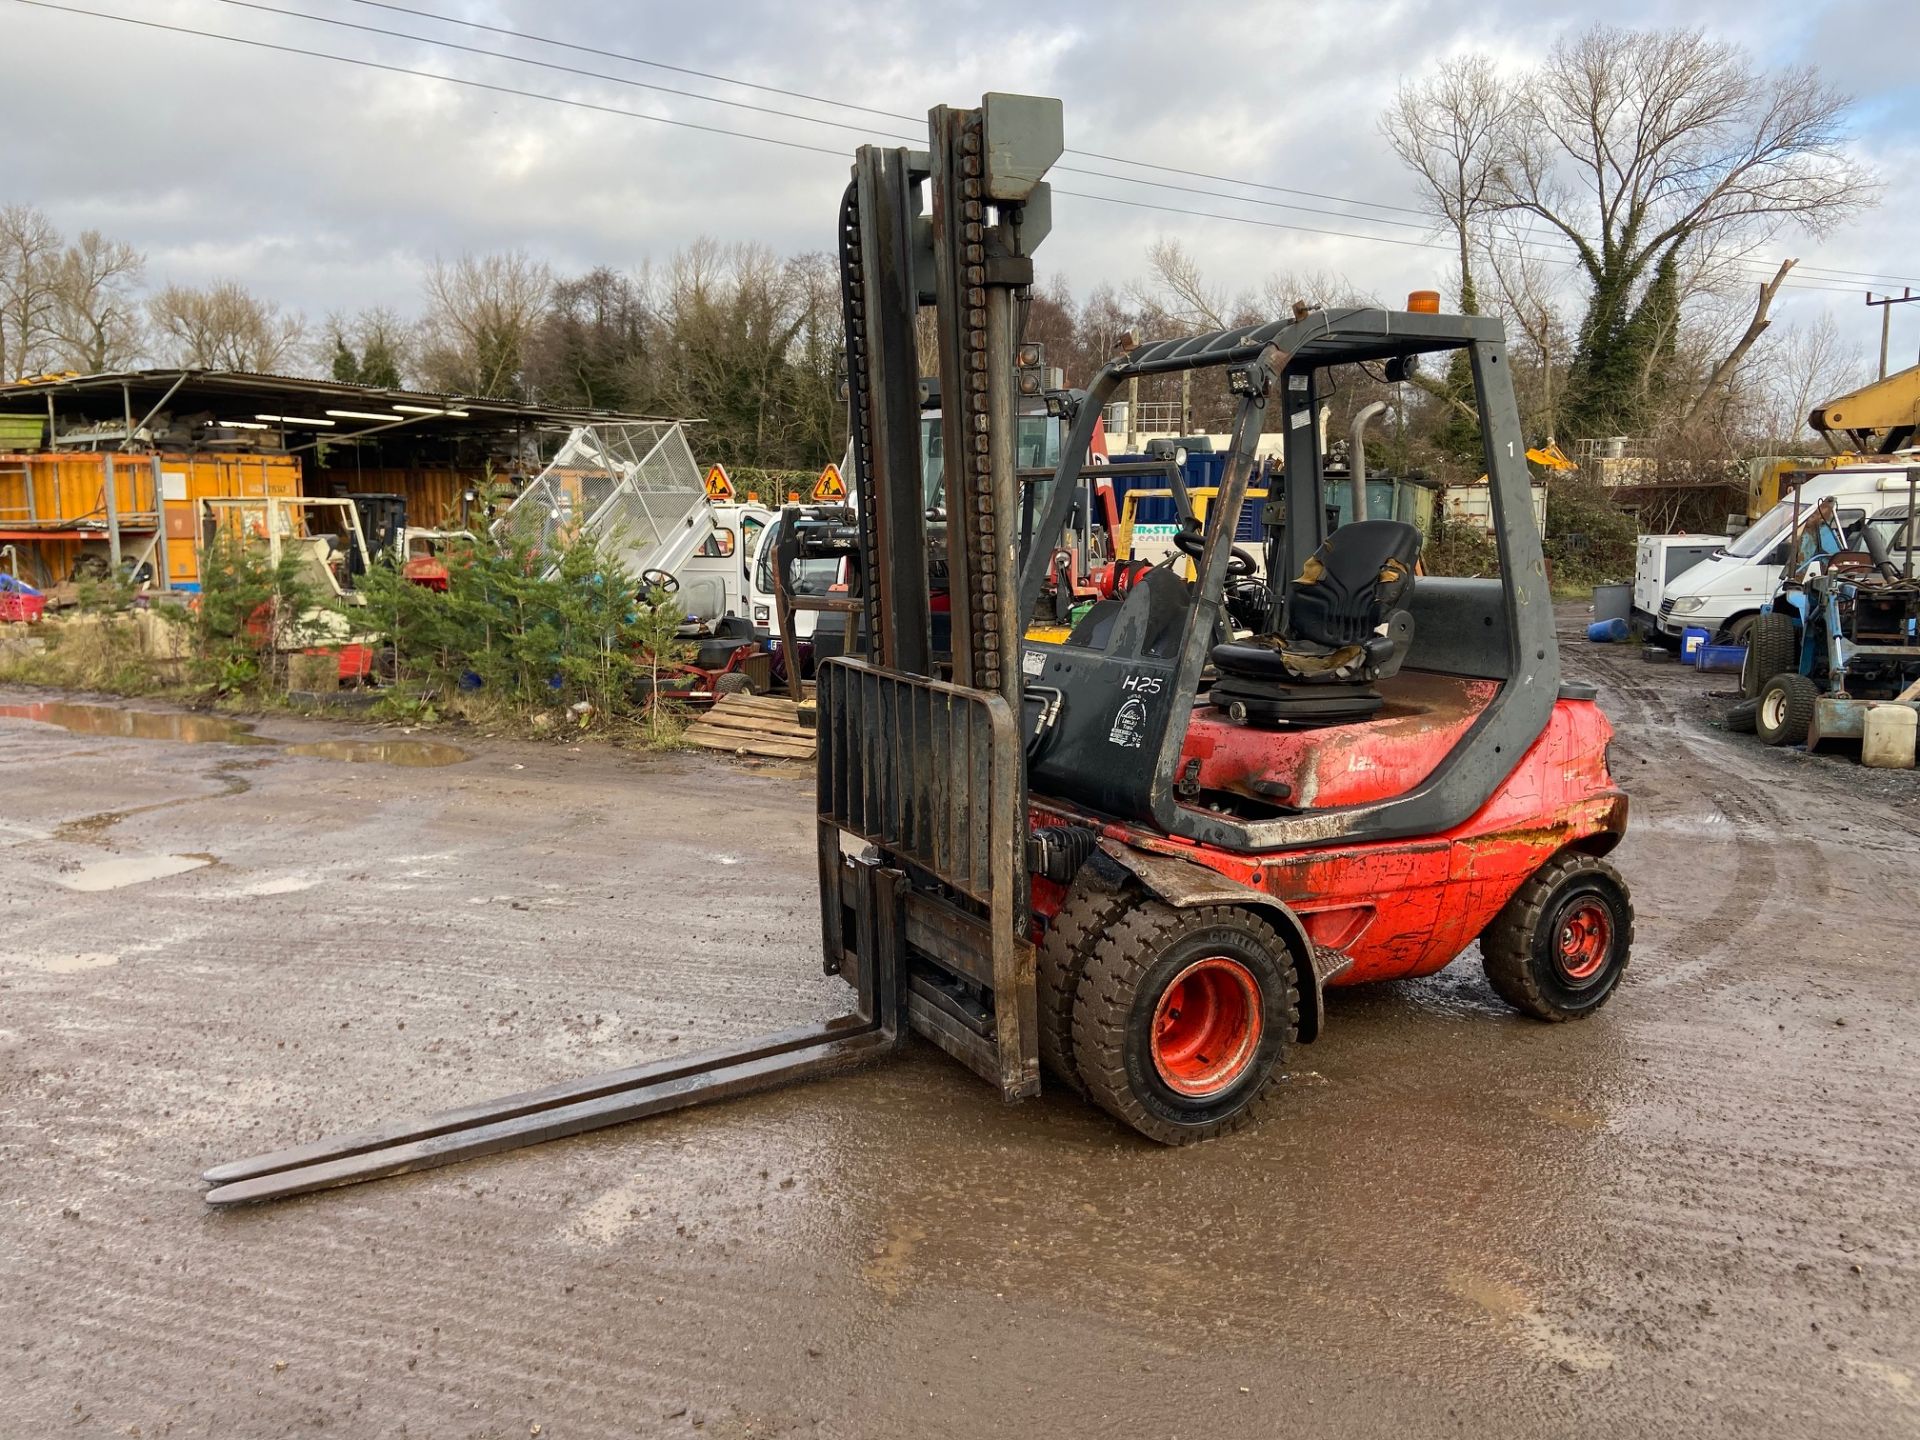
pixel 1693 1214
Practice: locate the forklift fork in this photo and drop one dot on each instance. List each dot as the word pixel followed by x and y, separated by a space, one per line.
pixel 575 1106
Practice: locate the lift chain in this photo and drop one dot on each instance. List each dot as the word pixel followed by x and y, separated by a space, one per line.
pixel 853 300
pixel 974 506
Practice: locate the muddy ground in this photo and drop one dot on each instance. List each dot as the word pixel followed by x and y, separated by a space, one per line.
pixel 1694 1214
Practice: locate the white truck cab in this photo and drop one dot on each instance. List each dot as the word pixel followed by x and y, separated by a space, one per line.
pixel 812 577
pixel 716 579
pixel 1724 592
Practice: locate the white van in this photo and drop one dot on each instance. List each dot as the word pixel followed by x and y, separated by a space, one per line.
pixel 1723 593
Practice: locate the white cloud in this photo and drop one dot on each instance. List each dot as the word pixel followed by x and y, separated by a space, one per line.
pixel 328 186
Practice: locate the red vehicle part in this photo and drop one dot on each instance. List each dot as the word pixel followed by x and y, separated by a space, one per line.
pixel 1404 907
pixel 428 571
pixel 1206 1027
pixel 356 661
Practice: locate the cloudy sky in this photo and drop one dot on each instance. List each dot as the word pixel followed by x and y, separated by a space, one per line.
pixel 326 185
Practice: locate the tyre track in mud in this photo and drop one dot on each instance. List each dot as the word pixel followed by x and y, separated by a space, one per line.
pixel 1699 769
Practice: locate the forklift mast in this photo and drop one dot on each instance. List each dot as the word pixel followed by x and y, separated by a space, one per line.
pixel 928 771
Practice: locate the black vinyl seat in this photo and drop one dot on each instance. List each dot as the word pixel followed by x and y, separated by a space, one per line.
pixel 1147 621
pixel 730 633
pixel 1346 626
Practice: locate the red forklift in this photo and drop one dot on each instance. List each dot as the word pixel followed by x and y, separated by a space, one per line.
pixel 1135 859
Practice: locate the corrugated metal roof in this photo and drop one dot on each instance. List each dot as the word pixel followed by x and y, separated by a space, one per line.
pixel 204 385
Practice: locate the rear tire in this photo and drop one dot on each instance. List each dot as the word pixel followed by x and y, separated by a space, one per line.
pixel 1182 1019
pixel 1740 716
pixel 1773 648
pixel 733 683
pixel 1557 949
pixel 1785 710
pixel 1090 910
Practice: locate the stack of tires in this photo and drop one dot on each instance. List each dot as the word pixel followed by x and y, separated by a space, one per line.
pixel 1777 703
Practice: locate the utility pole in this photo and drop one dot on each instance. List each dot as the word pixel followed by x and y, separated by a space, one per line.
pixel 1886 304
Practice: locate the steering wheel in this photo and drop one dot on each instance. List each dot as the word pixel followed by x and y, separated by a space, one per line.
pixel 660 580
pixel 1191 542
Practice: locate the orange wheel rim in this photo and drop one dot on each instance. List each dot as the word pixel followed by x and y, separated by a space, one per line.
pixel 1584 940
pixel 1206 1027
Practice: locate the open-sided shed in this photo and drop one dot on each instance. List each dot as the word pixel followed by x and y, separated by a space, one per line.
pixel 97 470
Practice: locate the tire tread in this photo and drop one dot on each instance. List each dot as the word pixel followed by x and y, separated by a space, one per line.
pixel 1771 649
pixel 1801 693
pixel 1089 911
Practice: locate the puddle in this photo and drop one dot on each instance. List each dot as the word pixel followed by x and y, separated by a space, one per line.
pixel 136 724
pixel 125 870
pixel 382 752
pixel 217 730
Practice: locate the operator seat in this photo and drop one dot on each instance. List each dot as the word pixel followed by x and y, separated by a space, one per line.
pixel 1147 621
pixel 729 634
pixel 1346 626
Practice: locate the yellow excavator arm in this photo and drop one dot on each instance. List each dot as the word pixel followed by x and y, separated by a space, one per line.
pixel 1879 418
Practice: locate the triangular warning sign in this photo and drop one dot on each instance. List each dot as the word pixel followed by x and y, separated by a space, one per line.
pixel 719 487
pixel 829 488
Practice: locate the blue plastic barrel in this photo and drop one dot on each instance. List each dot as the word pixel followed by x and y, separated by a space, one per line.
pixel 1608 632
pixel 1693 640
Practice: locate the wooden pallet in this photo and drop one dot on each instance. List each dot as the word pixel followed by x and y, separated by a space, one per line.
pixel 769 726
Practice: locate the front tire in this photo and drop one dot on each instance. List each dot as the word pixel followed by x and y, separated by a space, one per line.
pixel 1557 949
pixel 1182 1019
pixel 1785 710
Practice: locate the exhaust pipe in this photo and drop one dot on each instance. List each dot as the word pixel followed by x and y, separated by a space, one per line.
pixel 1357 461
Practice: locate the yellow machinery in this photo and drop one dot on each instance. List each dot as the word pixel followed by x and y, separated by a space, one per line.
pixel 1876 419
pixel 1551 456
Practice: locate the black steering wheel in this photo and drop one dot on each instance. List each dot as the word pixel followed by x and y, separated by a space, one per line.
pixel 659 580
pixel 1191 542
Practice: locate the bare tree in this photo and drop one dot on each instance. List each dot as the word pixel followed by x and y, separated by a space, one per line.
pixel 1183 294
pixel 1637 146
pixel 97 322
pixel 735 317
pixel 29 258
pixel 1453 130
pixel 482 311
pixel 223 327
pixel 595 343
pixel 1804 367
pixel 1528 292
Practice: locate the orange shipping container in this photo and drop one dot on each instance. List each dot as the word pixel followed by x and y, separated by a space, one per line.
pixel 53 505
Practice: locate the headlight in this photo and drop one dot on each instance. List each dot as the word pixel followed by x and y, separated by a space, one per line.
pixel 760 615
pixel 1688 604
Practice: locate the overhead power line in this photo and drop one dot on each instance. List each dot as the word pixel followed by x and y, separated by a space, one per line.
pixel 431 75
pixel 916 120
pixel 561 69
pixel 857 128
pixel 1558 257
